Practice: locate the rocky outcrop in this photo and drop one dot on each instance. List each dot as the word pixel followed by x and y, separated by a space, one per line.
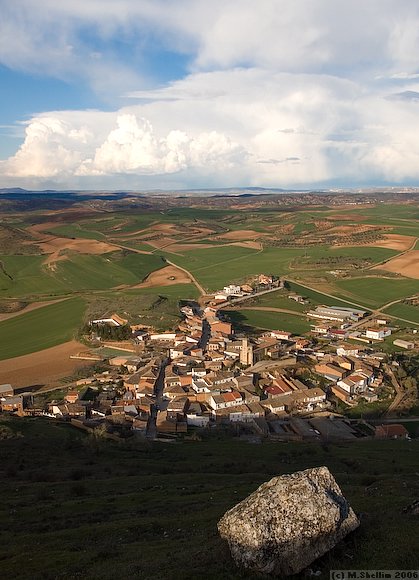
pixel 288 522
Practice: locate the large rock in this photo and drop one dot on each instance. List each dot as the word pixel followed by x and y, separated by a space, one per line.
pixel 288 522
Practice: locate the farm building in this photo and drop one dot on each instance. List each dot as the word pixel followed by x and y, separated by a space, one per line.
pixel 113 320
pixel 232 290
pixel 404 344
pixel 378 333
pixel 338 313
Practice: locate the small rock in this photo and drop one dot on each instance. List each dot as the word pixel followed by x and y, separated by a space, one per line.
pixel 288 522
pixel 412 509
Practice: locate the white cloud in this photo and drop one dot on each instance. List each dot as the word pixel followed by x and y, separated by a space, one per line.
pixel 64 148
pixel 278 93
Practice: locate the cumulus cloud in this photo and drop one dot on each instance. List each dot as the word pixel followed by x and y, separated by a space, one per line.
pixel 56 147
pixel 277 93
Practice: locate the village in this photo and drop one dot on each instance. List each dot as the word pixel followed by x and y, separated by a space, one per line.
pixel 208 376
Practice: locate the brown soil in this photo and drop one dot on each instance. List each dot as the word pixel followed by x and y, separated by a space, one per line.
pixel 45 367
pixel 248 244
pixel 394 242
pixel 54 246
pixel 350 229
pixel 346 217
pixel 28 308
pixel 406 265
pixel 165 277
pixel 186 247
pixel 161 242
pixel 165 228
pixel 41 228
pixel 240 235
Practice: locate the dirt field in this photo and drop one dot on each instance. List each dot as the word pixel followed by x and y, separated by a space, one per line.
pixel 248 244
pixel 406 265
pixel 350 229
pixel 394 242
pixel 353 217
pixel 185 247
pixel 54 246
pixel 165 277
pixel 45 367
pixel 28 308
pixel 240 235
pixel 161 242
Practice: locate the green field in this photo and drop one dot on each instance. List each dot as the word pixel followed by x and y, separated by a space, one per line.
pixel 80 508
pixel 404 311
pixel 278 299
pixel 41 328
pixel 270 320
pixel 317 297
pixel 175 291
pixel 77 231
pixel 218 266
pixel 375 291
pixel 157 306
pixel 29 276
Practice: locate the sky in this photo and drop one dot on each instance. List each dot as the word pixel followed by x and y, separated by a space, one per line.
pixel 178 94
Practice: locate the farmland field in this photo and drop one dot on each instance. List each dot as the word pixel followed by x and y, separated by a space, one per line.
pixel 374 291
pixel 30 276
pixel 271 320
pixel 41 328
pixel 77 231
pixel 317 297
pixel 404 311
pixel 219 243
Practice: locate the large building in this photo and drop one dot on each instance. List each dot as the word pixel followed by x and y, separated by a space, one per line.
pixel 337 313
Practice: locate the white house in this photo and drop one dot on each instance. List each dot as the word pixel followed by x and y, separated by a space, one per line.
pixel 232 290
pixel 163 336
pixel 225 400
pixel 347 350
pixel 281 334
pixel 200 385
pixel 378 333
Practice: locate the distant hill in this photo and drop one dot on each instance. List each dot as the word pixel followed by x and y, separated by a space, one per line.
pixel 12 190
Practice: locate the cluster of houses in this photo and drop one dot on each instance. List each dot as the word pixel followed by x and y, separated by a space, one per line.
pixel 212 376
pixel 260 284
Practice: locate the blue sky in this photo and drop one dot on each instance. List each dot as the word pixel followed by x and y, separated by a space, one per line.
pixel 158 94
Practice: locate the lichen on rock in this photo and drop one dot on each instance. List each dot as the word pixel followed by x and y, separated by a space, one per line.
pixel 288 522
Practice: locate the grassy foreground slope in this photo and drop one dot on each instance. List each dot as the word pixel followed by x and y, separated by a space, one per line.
pixel 41 328
pixel 75 507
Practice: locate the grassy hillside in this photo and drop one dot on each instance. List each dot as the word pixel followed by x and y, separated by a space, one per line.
pixel 30 276
pixel 104 510
pixel 41 328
